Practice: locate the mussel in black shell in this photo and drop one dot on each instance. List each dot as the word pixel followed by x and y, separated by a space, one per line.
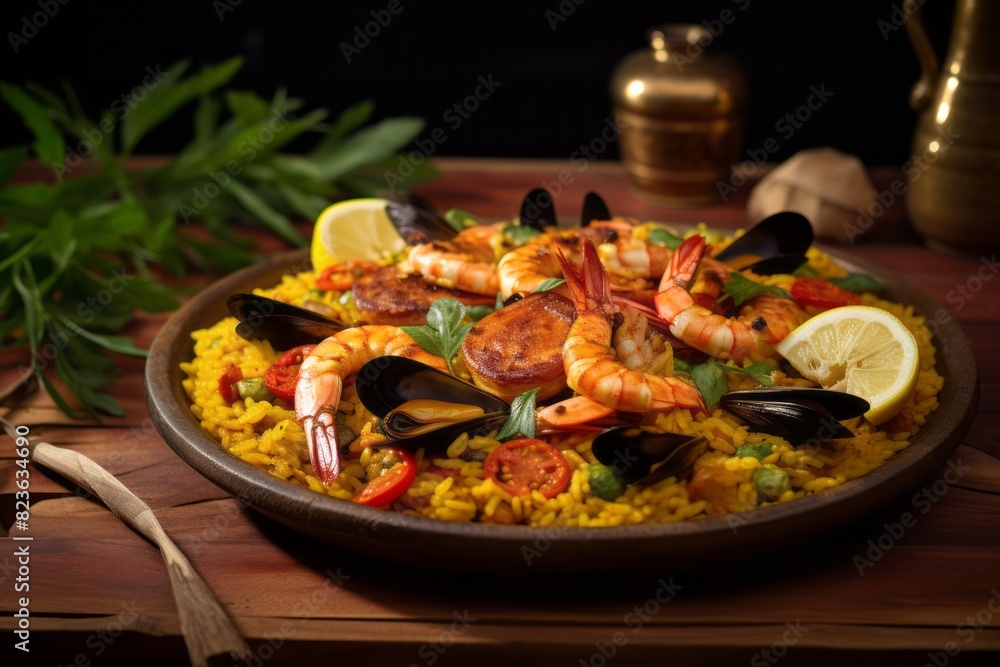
pixel 644 455
pixel 283 325
pixel 538 210
pixel 594 208
pixel 777 244
pixel 417 220
pixel 796 413
pixel 420 406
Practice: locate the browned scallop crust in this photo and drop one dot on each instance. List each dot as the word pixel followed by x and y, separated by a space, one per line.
pixel 519 347
pixel 389 296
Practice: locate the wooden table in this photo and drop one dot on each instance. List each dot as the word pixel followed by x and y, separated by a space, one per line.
pixel 99 593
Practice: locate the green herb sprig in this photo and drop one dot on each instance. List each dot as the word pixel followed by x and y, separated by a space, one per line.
pixel 522 417
pixel 77 255
pixel 444 332
pixel 710 377
pixel 742 289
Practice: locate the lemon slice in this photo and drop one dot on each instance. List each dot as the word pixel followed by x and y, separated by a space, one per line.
pixel 356 229
pixel 861 350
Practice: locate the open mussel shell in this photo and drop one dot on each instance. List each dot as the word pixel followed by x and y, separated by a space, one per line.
pixel 538 210
pixel 246 307
pixel 594 208
pixel 283 325
pixel 438 437
pixel 385 383
pixel 786 234
pixel 645 455
pixel 796 413
pixel 286 331
pixel 416 220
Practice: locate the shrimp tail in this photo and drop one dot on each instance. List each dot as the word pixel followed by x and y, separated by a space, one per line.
pixel 315 406
pixel 588 285
pixel 673 297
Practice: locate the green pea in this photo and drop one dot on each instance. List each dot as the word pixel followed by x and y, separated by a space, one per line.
pixel 254 388
pixel 759 451
pixel 604 483
pixel 771 481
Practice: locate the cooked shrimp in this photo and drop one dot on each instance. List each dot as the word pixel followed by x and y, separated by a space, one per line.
pixel 765 319
pixel 467 262
pixel 592 365
pixel 630 262
pixel 639 348
pixel 322 377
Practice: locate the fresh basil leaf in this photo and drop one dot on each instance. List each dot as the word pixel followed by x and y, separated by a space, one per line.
pixel 805 271
pixel 758 371
pixel 460 219
pixel 48 140
pixel 445 315
pixel 476 313
pixel 681 366
pixel 426 338
pixel 522 417
pixel 663 237
pixel 741 289
pixel 857 283
pixel 452 342
pixel 548 284
pixel 711 381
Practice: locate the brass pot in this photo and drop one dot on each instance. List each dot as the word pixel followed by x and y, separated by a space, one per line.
pixel 953 193
pixel 681 109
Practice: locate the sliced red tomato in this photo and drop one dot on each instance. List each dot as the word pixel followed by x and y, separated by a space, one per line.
pixel 522 466
pixel 283 374
pixel 821 294
pixel 227 383
pixel 393 481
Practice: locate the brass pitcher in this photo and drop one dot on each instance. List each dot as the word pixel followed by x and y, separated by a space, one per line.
pixel 953 193
pixel 681 108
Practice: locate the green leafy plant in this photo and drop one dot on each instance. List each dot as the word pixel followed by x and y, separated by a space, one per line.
pixel 742 289
pixel 78 256
pixel 522 417
pixel 444 332
pixel 710 377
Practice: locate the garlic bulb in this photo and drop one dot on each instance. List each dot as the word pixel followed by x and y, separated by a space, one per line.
pixel 823 184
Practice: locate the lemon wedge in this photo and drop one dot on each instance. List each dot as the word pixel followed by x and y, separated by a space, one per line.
pixel 356 229
pixel 861 350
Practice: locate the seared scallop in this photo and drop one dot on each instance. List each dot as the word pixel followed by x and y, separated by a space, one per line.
pixel 389 296
pixel 519 347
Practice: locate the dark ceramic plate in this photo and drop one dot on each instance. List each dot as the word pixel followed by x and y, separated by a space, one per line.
pixel 522 549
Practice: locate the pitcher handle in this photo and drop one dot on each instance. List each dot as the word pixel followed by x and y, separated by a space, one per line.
pixel 923 89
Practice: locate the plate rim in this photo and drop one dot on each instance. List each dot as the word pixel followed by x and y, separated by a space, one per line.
pixel 275 497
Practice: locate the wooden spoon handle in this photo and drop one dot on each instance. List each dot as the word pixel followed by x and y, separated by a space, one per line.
pixel 207 630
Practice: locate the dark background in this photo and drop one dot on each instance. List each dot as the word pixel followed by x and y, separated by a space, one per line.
pixel 554 83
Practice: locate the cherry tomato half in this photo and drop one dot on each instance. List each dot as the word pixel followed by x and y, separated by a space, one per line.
pixel 821 294
pixel 521 466
pixel 393 481
pixel 227 383
pixel 283 374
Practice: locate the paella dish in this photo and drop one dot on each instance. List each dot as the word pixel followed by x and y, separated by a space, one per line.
pixel 602 373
